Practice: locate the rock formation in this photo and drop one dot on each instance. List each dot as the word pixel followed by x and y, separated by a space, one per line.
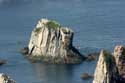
pixel 111 67
pixel 50 42
pixel 119 54
pixel 6 79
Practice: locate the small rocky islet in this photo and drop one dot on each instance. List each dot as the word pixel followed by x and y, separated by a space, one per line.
pixel 52 43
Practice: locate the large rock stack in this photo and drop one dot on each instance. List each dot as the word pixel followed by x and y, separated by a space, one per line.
pixel 111 67
pixel 50 42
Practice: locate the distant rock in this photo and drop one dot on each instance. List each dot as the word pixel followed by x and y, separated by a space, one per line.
pixel 2 62
pixel 50 42
pixel 92 57
pixel 111 67
pixel 24 50
pixel 86 76
pixel 6 79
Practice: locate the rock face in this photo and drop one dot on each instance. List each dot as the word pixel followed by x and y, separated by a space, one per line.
pixel 6 79
pixel 111 67
pixel 52 43
pixel 119 54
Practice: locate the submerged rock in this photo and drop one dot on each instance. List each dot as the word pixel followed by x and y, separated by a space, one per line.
pixel 92 57
pixel 86 76
pixel 6 79
pixel 3 62
pixel 111 67
pixel 50 42
pixel 25 50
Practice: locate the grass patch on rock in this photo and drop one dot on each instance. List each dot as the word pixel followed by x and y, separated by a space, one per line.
pixel 37 30
pixel 53 24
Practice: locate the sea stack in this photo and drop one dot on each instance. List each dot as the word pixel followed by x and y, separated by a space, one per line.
pixel 50 42
pixel 111 67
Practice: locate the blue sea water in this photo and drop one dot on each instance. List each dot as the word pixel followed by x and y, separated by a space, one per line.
pixel 98 24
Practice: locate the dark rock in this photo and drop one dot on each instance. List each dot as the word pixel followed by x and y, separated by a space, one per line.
pixel 92 57
pixel 3 62
pixel 86 76
pixel 25 50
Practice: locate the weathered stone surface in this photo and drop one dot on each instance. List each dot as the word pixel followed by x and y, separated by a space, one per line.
pixel 111 67
pixel 52 43
pixel 119 54
pixel 6 79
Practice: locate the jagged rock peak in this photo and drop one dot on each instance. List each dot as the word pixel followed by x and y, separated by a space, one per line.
pixel 111 67
pixel 105 69
pixel 53 43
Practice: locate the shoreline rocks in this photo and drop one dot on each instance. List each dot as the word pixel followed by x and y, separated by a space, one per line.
pixel 111 67
pixel 52 43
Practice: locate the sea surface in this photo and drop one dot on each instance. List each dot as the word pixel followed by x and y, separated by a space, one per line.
pixel 97 24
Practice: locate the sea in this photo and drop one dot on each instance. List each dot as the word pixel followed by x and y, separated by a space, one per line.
pixel 97 25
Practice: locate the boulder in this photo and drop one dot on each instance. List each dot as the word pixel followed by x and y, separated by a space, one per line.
pixel 6 79
pixel 50 42
pixel 111 67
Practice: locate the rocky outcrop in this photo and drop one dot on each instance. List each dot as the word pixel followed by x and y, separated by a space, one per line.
pixel 6 79
pixel 111 67
pixel 50 42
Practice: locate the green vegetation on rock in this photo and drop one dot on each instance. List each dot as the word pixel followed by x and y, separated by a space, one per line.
pixel 37 30
pixel 53 24
pixel 108 58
